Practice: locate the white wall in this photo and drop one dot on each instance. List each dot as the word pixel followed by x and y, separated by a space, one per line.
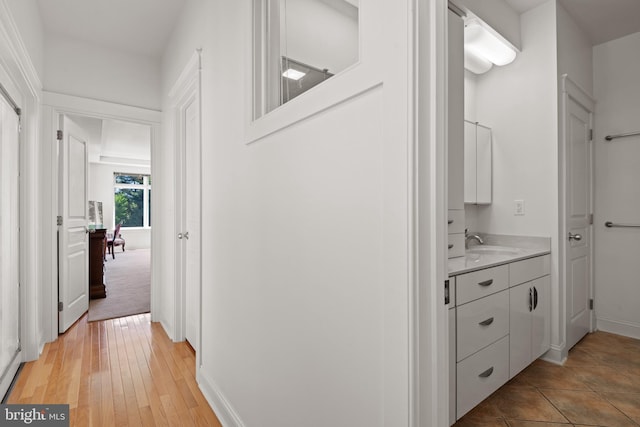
pixel 575 56
pixel 26 16
pixel 101 190
pixel 75 67
pixel 470 102
pixel 617 194
pixel 520 103
pixel 305 241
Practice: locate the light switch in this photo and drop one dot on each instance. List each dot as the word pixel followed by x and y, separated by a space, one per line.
pixel 519 207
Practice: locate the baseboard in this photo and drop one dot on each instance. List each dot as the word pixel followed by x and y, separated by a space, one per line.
pixel 221 406
pixel 617 327
pixel 167 329
pixel 9 374
pixel 554 355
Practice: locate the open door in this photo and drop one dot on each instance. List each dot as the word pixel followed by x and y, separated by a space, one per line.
pixel 578 112
pixel 185 99
pixel 73 248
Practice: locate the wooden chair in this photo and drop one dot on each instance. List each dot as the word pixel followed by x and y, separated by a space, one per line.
pixel 114 240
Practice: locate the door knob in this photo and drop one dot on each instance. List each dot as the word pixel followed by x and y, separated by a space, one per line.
pixel 179 235
pixel 576 237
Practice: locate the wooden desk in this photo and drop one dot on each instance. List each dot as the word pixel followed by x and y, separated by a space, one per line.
pixel 97 249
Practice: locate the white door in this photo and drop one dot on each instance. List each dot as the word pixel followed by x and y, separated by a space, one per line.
pixel 9 241
pixel 192 220
pixel 578 211
pixel 73 282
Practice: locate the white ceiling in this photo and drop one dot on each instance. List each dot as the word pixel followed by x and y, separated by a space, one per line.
pixel 522 6
pixel 137 26
pixel 602 20
pixel 605 20
pixel 116 141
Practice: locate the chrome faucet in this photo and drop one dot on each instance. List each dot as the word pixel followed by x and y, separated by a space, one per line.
pixel 468 237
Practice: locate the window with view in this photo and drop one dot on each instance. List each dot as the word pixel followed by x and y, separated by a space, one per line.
pixel 132 199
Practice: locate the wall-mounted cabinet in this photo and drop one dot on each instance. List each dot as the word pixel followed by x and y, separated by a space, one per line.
pixel 478 164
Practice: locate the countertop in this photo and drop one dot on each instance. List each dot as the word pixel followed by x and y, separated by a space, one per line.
pixel 524 247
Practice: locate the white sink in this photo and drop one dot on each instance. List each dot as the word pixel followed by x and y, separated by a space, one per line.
pixel 493 250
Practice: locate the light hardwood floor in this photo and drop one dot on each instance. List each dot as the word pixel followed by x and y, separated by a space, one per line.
pixel 118 372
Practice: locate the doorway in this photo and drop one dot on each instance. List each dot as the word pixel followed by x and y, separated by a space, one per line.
pixel 185 98
pixel 577 221
pixel 100 117
pixel 119 180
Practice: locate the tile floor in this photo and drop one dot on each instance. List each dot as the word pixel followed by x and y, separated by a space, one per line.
pixel 599 385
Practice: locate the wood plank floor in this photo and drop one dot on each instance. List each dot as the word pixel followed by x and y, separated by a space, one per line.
pixel 118 372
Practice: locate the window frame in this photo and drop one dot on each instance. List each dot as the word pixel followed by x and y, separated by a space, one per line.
pixel 146 199
pixel 364 75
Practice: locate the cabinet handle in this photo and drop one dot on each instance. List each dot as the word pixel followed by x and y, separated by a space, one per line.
pixel 486 373
pixel 450 245
pixel 486 322
pixel 486 283
pixel 450 221
pixel 530 299
pixel 535 298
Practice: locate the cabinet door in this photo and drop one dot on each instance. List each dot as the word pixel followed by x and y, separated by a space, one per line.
pixel 483 166
pixel 470 163
pixel 519 328
pixel 540 325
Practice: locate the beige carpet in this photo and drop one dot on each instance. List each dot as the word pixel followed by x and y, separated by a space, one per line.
pixel 128 282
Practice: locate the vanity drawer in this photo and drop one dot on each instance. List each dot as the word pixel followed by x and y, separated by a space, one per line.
pixel 529 269
pixel 481 322
pixel 481 374
pixel 456 245
pixel 481 283
pixel 455 221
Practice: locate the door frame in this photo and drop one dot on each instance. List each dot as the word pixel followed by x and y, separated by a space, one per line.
pixel 54 105
pixel 428 314
pixel 186 90
pixel 21 80
pixel 570 91
pixel 7 376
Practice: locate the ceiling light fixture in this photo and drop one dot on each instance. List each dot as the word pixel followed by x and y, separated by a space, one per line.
pixel 476 64
pixel 482 45
pixel 293 74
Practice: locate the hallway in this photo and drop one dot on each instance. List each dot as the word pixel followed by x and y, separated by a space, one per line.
pixel 123 372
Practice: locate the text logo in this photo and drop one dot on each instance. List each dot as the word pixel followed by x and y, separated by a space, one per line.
pixel 34 415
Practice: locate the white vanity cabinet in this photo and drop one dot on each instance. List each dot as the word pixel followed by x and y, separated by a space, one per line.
pixel 529 312
pixel 482 330
pixel 499 322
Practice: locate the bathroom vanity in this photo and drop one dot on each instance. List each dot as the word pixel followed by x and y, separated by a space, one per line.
pixel 499 316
